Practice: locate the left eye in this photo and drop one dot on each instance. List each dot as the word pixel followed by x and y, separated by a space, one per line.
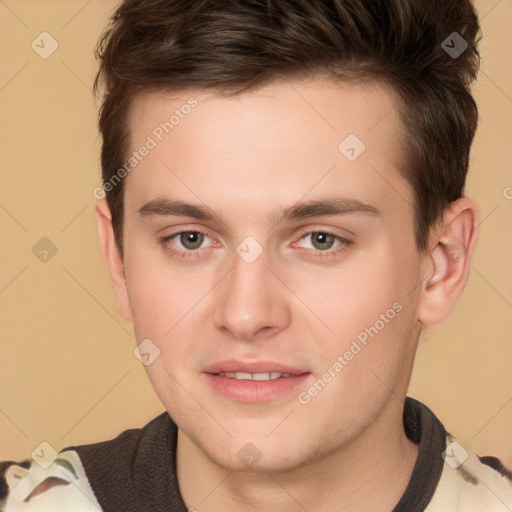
pixel 322 240
pixel 190 240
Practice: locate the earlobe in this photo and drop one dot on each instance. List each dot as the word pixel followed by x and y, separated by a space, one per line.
pixel 449 261
pixel 112 258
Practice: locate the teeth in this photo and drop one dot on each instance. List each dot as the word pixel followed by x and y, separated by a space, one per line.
pixel 254 376
pixel 261 376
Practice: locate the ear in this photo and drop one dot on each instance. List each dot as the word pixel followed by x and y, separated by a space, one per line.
pixel 448 261
pixel 113 259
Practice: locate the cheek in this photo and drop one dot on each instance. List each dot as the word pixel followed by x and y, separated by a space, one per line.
pixel 369 360
pixel 369 307
pixel 167 309
pixel 160 294
pixel 351 296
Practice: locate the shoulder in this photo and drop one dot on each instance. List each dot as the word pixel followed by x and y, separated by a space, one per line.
pixel 470 483
pixel 71 481
pixel 59 486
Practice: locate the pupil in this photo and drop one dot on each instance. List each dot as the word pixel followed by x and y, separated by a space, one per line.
pixel 191 239
pixel 322 239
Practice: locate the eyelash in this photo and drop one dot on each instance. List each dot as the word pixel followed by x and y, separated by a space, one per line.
pixel 344 244
pixel 165 241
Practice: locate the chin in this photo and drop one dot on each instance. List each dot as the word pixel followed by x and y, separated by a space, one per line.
pixel 263 462
pixel 247 454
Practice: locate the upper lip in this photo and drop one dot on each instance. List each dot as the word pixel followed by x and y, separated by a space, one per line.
pixel 232 365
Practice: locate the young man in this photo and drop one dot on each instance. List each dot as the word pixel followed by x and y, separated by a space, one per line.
pixel 284 212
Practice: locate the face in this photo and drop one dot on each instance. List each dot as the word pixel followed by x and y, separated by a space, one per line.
pixel 260 241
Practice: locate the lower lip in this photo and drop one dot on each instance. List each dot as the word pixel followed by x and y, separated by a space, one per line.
pixel 254 391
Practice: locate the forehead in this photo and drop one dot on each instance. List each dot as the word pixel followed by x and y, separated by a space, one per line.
pixel 308 109
pixel 278 141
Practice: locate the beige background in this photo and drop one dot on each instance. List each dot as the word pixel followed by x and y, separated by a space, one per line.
pixel 67 370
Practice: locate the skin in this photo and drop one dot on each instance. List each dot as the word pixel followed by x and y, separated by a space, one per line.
pixel 247 158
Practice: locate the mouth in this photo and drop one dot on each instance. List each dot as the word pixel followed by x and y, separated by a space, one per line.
pixel 255 376
pixel 254 382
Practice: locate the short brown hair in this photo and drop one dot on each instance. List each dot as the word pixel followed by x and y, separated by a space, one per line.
pixel 233 45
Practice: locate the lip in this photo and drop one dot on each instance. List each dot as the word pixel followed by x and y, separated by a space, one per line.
pixel 233 365
pixel 254 391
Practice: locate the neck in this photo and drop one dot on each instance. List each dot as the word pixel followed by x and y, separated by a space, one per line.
pixel 369 473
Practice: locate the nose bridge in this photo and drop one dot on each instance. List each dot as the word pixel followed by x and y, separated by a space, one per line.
pixel 251 300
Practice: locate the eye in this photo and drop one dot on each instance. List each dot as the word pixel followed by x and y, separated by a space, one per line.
pixel 186 243
pixel 190 240
pixel 322 241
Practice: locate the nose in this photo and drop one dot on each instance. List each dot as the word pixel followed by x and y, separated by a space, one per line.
pixel 253 302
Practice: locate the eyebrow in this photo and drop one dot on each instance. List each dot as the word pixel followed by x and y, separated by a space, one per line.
pixel 163 207
pixel 335 205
